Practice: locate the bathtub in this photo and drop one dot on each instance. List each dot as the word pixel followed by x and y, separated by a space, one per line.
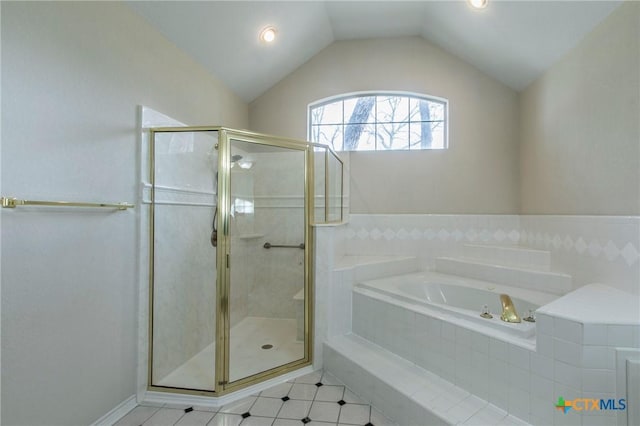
pixel 461 298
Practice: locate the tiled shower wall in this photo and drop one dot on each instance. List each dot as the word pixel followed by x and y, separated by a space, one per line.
pixel 279 219
pixel 184 286
pixel 184 266
pixel 604 249
pixel 263 282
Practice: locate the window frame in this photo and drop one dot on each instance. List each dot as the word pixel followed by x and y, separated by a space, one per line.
pixel 354 95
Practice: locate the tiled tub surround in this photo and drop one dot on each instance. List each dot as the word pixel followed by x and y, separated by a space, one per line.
pixel 572 357
pixel 425 236
pixel 347 271
pixel 521 378
pixel 521 270
pixel 604 249
pixel 592 249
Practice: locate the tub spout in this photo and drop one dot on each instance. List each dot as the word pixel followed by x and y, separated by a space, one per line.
pixel 509 313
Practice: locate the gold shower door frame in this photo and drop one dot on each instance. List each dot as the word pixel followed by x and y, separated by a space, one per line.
pixel 223 272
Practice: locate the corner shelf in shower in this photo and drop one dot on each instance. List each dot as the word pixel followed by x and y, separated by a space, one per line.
pixel 250 236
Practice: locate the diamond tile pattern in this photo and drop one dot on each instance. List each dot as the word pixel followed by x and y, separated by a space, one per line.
pixel 442 234
pixel 627 252
pixel 285 404
pixel 584 246
pixel 630 254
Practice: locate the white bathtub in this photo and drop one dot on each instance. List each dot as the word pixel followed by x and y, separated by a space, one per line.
pixel 462 298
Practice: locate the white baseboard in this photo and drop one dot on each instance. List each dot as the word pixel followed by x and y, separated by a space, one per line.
pixel 117 412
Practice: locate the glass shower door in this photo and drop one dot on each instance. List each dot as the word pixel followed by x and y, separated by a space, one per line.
pixel 267 217
pixel 183 259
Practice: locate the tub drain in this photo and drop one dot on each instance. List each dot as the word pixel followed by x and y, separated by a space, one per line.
pixel 267 346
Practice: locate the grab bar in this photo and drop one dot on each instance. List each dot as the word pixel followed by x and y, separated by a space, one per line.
pixel 12 203
pixel 268 245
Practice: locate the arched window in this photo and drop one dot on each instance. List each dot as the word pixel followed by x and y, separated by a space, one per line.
pixel 379 121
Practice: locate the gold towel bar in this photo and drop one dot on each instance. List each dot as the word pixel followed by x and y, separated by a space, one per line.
pixel 11 203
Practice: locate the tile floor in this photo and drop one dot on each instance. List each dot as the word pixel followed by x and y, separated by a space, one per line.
pixel 315 399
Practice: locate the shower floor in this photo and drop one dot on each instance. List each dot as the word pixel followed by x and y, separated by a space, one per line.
pixel 246 353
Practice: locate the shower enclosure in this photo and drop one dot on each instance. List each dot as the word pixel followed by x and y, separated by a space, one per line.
pixel 231 255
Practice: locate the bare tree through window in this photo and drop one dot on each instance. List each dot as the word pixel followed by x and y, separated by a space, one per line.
pixel 425 125
pixel 356 123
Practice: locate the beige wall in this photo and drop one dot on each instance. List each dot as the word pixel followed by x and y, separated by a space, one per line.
pixel 479 171
pixel 73 75
pixel 580 124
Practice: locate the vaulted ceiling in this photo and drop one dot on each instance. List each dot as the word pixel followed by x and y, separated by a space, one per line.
pixel 513 41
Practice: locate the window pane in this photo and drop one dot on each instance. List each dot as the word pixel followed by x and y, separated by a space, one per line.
pixel 437 111
pixel 330 134
pixel 327 114
pixel 438 132
pixel 392 136
pixel 414 109
pixel 319 165
pixel 359 110
pixel 423 110
pixel 427 135
pixel 314 133
pixel 359 137
pixel 392 109
pixel 316 115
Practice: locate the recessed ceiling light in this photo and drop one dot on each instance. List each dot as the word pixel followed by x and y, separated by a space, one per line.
pixel 478 4
pixel 268 34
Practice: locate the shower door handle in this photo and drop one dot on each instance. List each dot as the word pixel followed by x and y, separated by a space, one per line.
pixel 268 245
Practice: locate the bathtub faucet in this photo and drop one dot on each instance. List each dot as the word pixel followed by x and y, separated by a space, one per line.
pixel 509 313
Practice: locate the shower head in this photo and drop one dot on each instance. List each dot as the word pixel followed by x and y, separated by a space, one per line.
pixel 236 158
